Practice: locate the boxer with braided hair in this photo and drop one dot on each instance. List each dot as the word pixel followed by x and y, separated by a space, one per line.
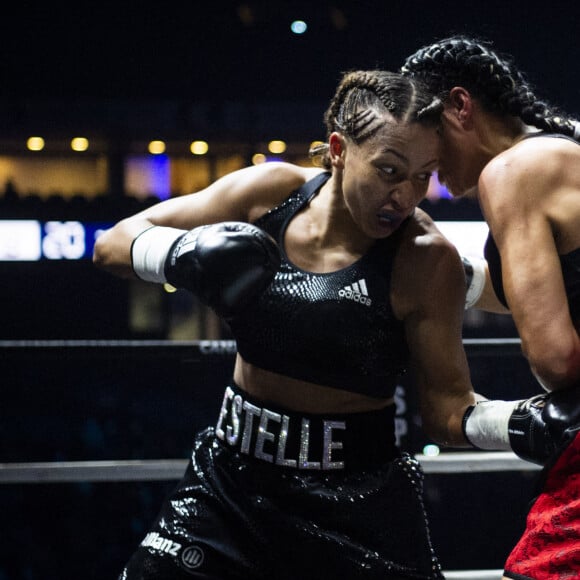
pixel 353 109
pixel 333 284
pixel 493 79
pixel 311 269
pixel 520 158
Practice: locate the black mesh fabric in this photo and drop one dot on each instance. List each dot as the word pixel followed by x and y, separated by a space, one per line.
pixel 336 329
pixel 232 517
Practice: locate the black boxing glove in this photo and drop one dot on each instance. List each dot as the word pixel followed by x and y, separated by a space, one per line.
pixel 225 264
pixel 535 429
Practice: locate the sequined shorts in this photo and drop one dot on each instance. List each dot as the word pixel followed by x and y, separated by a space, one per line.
pixel 260 510
pixel 550 545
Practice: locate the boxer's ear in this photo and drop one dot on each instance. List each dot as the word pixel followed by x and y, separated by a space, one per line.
pixel 337 147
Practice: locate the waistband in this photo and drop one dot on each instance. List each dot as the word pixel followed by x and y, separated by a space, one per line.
pixel 284 438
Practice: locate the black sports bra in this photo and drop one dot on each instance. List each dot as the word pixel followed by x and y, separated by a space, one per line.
pixel 570 271
pixel 335 329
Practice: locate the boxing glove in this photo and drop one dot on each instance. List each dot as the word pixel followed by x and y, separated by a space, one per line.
pixel 225 265
pixel 535 429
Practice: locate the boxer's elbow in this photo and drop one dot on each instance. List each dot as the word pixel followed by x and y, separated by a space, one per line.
pixel 112 252
pixel 101 254
pixel 556 367
pixel 103 251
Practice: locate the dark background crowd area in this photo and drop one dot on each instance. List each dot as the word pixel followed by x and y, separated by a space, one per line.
pixel 72 386
pixel 115 206
pixel 109 401
pixel 101 208
pixel 79 301
pixel 117 402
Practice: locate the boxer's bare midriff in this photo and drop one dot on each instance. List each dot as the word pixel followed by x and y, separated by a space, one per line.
pixel 301 396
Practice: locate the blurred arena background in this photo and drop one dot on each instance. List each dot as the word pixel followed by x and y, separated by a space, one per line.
pixel 107 107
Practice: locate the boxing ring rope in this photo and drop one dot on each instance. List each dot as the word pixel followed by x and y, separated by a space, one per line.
pixel 472 345
pixel 173 469
pixel 474 462
pixel 167 469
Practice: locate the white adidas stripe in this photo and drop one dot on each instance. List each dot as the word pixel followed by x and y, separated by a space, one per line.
pixel 359 287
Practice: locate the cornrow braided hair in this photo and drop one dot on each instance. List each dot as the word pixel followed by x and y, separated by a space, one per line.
pixel 362 98
pixel 490 77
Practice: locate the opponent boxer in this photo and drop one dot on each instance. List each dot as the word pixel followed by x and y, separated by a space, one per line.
pixel 519 157
pixel 301 476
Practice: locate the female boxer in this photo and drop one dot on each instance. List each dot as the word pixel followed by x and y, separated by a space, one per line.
pixel 520 158
pixel 333 284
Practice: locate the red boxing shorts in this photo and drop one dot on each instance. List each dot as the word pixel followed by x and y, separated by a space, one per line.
pixel 549 548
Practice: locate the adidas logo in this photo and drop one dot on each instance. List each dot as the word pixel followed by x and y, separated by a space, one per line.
pixel 357 292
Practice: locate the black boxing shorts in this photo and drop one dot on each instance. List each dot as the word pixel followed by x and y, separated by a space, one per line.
pixel 274 494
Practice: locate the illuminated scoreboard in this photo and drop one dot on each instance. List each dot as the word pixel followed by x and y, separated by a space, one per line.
pixel 33 240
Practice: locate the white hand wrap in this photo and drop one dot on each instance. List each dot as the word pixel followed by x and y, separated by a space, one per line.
pixel 149 251
pixel 477 284
pixel 486 425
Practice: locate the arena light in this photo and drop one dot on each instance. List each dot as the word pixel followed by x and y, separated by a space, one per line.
pixel 79 144
pixel 467 236
pixel 35 143
pixel 20 240
pixel 298 27
pixel 199 147
pixel 258 158
pixel 156 147
pixel 431 450
pixel 277 146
